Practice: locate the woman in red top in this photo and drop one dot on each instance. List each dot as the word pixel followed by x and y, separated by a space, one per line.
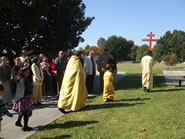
pixel 53 75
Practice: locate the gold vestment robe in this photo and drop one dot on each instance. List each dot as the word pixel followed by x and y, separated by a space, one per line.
pixel 108 91
pixel 73 92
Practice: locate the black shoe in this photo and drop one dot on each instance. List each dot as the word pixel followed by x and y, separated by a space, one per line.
pixel 27 128
pixel 34 104
pixel 18 124
pixel 39 103
pixel 62 110
pixel 109 100
pixel 106 102
pixel 57 97
pixel 145 89
pixel 85 106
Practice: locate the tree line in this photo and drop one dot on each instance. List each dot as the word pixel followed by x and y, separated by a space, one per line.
pixel 47 26
pixel 170 45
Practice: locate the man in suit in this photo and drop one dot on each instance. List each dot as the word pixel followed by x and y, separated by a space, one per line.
pixel 60 64
pixel 90 69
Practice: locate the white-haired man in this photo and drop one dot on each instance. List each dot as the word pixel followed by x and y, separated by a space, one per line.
pixel 90 69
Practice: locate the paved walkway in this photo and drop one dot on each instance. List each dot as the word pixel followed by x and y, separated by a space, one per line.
pixel 169 74
pixel 176 83
pixel 42 116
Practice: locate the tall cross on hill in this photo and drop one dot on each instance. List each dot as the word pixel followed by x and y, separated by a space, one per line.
pixel 150 40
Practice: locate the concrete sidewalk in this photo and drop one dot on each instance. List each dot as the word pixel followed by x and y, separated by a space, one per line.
pixel 42 115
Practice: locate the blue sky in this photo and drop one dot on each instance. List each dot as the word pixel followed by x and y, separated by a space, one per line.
pixel 132 19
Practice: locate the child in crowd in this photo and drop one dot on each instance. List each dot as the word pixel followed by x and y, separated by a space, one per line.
pixel 3 109
pixel 23 99
pixel 108 92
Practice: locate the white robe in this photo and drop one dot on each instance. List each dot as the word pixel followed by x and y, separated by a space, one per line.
pixel 147 79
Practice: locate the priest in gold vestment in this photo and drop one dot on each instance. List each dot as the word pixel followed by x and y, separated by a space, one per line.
pixel 73 93
pixel 147 79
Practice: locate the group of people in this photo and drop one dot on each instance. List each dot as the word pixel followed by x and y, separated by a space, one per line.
pixel 70 77
pixel 79 78
pixel 27 81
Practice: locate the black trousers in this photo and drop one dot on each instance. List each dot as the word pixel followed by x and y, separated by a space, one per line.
pixel 54 84
pixel 89 82
pixel 46 84
pixel 101 80
pixel 59 81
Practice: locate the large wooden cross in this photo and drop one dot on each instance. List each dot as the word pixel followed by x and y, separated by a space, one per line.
pixel 150 40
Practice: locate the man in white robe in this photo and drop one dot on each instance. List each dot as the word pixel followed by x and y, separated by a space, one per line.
pixel 147 79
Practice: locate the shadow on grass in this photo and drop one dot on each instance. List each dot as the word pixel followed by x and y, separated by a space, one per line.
pixel 133 99
pixel 166 90
pixel 59 137
pixel 109 105
pixel 68 124
pixel 159 81
pixel 96 86
pixel 135 81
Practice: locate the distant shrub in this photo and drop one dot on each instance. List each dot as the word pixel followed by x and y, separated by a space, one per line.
pixel 170 60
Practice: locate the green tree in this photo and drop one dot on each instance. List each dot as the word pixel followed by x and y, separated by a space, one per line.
pixel 64 22
pixel 101 43
pixel 182 53
pixel 97 50
pixel 80 49
pixel 170 43
pixel 158 52
pixel 18 22
pixel 141 52
pixel 131 42
pixel 120 46
pixel 86 47
pixel 42 25
pixel 133 52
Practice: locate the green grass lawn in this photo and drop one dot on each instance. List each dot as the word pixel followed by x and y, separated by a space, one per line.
pixel 136 68
pixel 134 113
